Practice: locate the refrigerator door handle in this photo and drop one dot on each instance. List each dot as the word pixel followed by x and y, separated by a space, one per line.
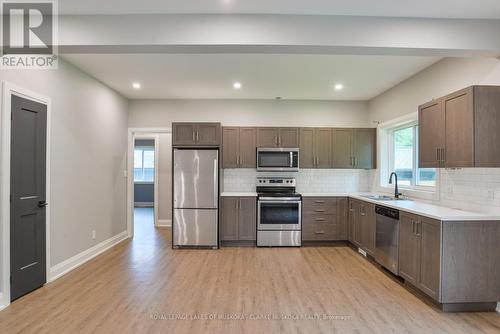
pixel 216 185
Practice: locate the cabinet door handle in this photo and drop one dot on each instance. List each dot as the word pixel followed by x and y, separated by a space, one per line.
pixel 241 161
pixel 444 154
pixel 197 136
pixel 437 154
pixel 418 228
pixel 320 219
pixel 319 210
pixel 319 201
pixel 194 135
pixel 413 227
pixel 236 204
pixel 319 232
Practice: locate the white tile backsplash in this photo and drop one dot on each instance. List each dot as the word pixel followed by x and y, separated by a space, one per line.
pixel 472 189
pixel 308 180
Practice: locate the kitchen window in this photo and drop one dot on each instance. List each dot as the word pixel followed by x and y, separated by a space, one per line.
pixel 403 154
pixel 144 164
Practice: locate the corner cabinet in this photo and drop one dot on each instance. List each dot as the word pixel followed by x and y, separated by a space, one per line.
pixel 461 129
pixel 196 134
pixel 238 219
pixel 362 222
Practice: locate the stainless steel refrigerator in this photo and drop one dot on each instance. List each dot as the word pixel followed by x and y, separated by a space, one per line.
pixel 196 198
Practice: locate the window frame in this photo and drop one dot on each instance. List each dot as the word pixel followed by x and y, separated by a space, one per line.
pixel 391 158
pixel 144 148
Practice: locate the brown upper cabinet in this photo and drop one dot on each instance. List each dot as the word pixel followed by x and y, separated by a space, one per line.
pixel 196 134
pixel 461 129
pixel 238 147
pixel 278 137
pixel 315 148
pixel 354 148
pixel 319 147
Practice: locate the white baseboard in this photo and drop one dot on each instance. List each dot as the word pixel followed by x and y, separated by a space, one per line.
pixel 164 223
pixel 74 262
pixel 3 303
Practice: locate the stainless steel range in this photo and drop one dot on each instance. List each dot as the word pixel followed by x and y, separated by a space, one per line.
pixel 279 212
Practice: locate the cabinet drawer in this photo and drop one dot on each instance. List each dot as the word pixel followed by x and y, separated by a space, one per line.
pixel 319 205
pixel 319 201
pixel 318 230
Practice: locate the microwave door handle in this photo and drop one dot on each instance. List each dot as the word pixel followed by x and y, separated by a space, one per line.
pixel 291 159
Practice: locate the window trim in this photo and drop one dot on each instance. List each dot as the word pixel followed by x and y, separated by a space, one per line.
pixel 390 152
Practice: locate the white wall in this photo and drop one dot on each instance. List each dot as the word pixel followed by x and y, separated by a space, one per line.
pixel 441 78
pixel 475 189
pixel 165 179
pixel 161 113
pixel 88 157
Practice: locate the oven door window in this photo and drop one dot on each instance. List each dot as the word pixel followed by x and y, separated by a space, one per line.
pixel 274 159
pixel 281 215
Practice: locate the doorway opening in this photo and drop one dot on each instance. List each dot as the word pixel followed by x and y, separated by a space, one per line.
pixel 145 182
pixel 150 170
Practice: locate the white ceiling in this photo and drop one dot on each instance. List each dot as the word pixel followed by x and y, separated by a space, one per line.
pixel 399 8
pixel 263 76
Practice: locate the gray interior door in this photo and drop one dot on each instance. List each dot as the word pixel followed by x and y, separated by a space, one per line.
pixel 27 186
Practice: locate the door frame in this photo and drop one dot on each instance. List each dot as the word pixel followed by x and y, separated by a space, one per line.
pixel 9 89
pixel 143 133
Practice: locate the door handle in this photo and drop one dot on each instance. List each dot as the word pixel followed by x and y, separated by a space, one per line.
pixel 42 204
pixel 320 219
pixel 319 210
pixel 319 232
pixel 197 136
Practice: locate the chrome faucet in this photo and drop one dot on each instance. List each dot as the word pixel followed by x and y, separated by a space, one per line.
pixel 396 192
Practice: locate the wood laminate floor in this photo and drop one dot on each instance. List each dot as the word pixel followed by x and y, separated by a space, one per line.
pixel 143 286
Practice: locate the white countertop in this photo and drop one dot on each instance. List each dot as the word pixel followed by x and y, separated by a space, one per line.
pixel 238 194
pixel 410 206
pixel 430 210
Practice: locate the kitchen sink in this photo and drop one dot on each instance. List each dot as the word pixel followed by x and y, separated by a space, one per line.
pixel 383 198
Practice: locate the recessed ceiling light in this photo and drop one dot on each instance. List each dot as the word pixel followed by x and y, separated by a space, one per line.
pixel 338 86
pixel 136 85
pixel 237 85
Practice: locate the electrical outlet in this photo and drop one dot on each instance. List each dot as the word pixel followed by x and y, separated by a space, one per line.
pixel 93 234
pixel 362 252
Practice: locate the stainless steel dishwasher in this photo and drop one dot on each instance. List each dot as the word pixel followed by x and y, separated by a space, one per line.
pixel 387 237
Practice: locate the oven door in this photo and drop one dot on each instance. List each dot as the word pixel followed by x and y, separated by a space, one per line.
pixel 279 214
pixel 277 159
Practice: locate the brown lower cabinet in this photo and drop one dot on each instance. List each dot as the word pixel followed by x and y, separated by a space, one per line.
pixel 238 219
pixel 324 218
pixel 362 225
pixel 420 253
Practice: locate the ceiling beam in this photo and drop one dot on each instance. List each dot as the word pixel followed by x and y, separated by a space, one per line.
pixel 301 34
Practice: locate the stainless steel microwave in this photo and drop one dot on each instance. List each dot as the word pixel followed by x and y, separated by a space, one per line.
pixel 277 159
